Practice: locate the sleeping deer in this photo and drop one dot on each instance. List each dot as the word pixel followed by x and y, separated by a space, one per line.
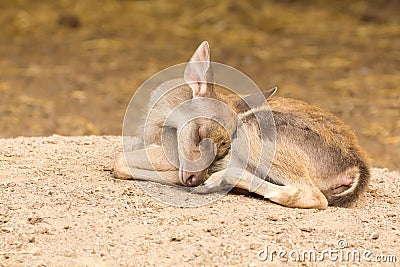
pixel 286 150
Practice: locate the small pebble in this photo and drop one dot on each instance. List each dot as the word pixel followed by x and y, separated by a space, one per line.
pixel 37 253
pixel 7 229
pixel 35 220
pixel 374 235
pixel 176 239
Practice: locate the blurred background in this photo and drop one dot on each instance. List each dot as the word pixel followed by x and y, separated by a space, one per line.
pixel 71 66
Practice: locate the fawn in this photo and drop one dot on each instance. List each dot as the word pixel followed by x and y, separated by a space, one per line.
pixel 286 150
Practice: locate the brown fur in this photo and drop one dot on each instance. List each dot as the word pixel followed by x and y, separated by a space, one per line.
pixel 317 159
pixel 330 148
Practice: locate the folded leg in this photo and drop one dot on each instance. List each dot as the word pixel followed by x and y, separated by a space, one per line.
pixel 291 195
pixel 148 164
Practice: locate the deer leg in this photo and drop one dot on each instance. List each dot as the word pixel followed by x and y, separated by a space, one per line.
pixel 302 195
pixel 148 164
pixel 162 177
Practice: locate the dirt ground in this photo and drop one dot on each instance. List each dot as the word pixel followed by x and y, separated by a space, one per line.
pixel 60 206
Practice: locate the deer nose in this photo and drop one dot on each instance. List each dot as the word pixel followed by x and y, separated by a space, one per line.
pixel 193 179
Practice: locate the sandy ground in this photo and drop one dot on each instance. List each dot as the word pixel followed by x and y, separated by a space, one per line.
pixel 60 206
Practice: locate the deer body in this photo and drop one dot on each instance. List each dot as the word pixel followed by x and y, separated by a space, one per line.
pixel 317 159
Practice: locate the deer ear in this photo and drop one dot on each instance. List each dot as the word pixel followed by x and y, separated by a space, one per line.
pixel 198 73
pixel 254 100
pixel 270 92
